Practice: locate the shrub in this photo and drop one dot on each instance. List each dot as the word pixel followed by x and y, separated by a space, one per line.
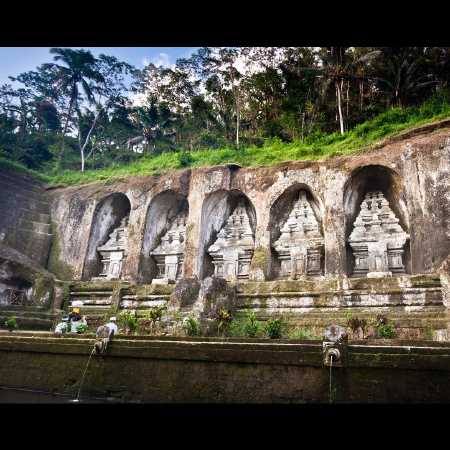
pixel 11 323
pixel 191 326
pixel 384 328
pixel 223 318
pixel 251 325
pixel 128 321
pixel 156 313
pixel 273 328
pixel 386 331
pixel 147 323
pixel 81 328
pixel 185 159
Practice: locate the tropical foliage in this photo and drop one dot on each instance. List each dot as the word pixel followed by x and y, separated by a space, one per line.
pixel 81 112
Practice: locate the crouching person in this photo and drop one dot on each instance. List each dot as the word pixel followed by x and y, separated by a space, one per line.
pixel 62 327
pixel 104 335
pixel 76 320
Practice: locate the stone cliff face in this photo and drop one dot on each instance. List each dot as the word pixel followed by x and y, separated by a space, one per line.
pixel 25 217
pixel 282 237
pixel 412 174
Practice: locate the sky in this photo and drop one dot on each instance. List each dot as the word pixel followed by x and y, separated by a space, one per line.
pixel 15 60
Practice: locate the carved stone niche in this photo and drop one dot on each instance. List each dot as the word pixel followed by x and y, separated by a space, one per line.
pixel 232 252
pixel 377 239
pixel 114 251
pixel 169 254
pixel 300 246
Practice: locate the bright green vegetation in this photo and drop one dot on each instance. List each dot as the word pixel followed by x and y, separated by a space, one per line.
pixel 316 147
pixel 191 326
pixel 11 324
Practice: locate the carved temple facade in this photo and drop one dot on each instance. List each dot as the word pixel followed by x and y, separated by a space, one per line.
pixel 377 242
pixel 233 249
pixel 300 246
pixel 114 251
pixel 169 254
pixel 377 239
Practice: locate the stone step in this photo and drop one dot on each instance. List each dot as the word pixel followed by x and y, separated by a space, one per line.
pixel 29 320
pixel 37 227
pixel 133 304
pixel 24 180
pixel 145 297
pixel 90 293
pixel 91 301
pixel 25 195
pixel 13 204
pixel 27 214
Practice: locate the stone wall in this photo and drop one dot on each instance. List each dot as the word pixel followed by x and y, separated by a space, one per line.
pixel 227 371
pixel 412 173
pixel 25 216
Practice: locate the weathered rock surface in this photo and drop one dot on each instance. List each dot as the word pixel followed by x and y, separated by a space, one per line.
pixel 25 216
pixel 185 293
pixel 215 294
pixel 412 173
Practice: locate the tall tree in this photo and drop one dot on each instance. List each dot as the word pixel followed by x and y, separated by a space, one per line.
pixel 79 69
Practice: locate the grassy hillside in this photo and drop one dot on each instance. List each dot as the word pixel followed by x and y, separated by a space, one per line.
pixel 274 151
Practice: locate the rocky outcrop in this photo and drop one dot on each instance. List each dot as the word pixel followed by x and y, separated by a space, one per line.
pixel 185 293
pixel 215 294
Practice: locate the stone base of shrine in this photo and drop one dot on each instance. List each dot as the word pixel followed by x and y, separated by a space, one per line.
pixel 412 304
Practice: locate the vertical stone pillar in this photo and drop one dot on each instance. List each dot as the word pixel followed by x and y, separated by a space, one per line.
pixel 136 226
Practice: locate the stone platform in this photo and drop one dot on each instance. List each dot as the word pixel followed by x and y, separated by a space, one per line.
pixel 413 303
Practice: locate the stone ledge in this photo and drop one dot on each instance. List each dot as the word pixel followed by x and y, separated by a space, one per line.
pixel 425 355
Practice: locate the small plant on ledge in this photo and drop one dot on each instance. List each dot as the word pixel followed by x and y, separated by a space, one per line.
pixel 191 326
pixel 384 328
pixel 224 319
pixel 128 321
pixel 274 328
pixel 81 328
pixel 11 323
pixel 251 325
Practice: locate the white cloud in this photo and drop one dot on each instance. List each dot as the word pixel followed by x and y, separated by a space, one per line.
pixel 163 60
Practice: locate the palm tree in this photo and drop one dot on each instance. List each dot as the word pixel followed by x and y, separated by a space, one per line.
pixel 156 124
pixel 402 73
pixel 79 69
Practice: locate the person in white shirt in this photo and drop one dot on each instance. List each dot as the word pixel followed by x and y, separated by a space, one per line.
pixel 104 334
pixel 113 328
pixel 62 326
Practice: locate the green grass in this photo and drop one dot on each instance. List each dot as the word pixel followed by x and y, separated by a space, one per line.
pixel 316 147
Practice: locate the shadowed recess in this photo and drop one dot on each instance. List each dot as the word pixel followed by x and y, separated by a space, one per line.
pixel 107 216
pixel 216 209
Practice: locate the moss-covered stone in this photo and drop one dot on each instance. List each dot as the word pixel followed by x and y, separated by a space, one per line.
pixel 260 264
pixel 43 290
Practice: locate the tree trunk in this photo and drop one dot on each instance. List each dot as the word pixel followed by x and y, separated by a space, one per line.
pixel 237 119
pixel 361 93
pixel 348 98
pixel 339 98
pixel 303 125
pixel 83 147
pixel 72 101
